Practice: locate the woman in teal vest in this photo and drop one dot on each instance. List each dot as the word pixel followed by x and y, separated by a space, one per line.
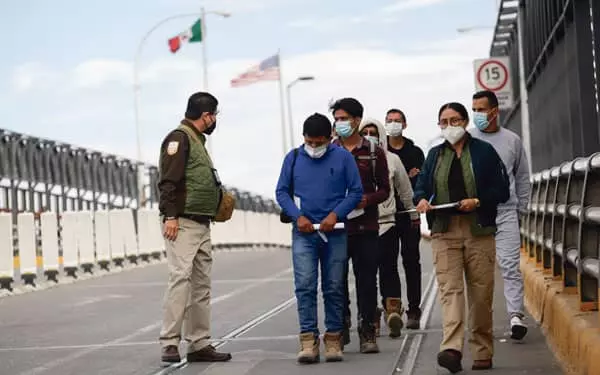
pixel 468 172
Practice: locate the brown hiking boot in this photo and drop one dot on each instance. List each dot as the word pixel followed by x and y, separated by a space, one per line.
pixel 394 310
pixel 368 342
pixel 413 319
pixel 170 354
pixel 377 322
pixel 208 354
pixel 309 348
pixel 333 347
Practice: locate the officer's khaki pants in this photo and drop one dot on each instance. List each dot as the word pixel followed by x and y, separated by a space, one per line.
pixel 457 253
pixel 187 298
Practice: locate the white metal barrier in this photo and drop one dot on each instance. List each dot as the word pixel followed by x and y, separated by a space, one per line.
pixel 7 270
pixel 83 240
pixel 27 246
pixel 50 254
pixel 68 235
pixel 102 237
pixel 117 242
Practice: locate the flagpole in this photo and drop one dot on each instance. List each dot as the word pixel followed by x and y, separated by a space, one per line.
pixel 281 104
pixel 204 64
pixel 136 103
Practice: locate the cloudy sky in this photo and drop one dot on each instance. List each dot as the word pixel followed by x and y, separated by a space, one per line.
pixel 67 67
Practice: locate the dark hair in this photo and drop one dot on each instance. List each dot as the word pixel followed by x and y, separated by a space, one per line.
pixel 395 110
pixel 491 97
pixel 457 107
pixel 199 103
pixel 317 125
pixel 350 105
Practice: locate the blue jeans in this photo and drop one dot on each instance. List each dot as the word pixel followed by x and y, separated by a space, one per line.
pixel 307 251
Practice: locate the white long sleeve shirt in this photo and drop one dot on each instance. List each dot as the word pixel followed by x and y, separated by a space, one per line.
pixel 510 148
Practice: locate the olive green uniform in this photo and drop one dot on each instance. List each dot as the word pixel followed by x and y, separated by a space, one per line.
pixel 189 191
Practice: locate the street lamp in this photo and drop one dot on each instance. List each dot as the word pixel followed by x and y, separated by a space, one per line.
pixel 289 86
pixel 136 81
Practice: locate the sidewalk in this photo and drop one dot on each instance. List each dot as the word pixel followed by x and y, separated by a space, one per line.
pixel 531 356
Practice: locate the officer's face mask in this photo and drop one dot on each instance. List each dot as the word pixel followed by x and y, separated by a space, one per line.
pixel 211 128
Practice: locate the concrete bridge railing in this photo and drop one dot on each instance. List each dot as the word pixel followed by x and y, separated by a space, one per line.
pixel 74 242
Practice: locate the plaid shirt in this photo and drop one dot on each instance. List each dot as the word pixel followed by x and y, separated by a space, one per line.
pixel 376 186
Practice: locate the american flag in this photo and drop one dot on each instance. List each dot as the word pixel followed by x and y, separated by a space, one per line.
pixel 266 70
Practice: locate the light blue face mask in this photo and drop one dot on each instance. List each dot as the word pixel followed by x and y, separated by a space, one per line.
pixel 343 129
pixel 480 119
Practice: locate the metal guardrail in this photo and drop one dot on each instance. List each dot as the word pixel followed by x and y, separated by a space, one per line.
pixel 561 230
pixel 38 175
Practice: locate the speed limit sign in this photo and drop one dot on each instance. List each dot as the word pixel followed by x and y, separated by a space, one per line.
pixel 493 74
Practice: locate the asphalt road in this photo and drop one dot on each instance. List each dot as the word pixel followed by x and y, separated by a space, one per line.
pixel 110 325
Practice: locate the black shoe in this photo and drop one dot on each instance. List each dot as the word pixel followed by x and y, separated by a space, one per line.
pixel 413 319
pixel 170 354
pixel 482 364
pixel 208 354
pixel 450 360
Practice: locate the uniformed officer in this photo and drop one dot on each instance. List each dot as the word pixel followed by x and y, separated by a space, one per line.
pixel 189 199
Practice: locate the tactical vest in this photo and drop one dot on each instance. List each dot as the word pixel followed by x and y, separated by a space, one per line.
pixel 201 190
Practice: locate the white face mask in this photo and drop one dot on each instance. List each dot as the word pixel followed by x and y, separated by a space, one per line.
pixel 453 134
pixel 373 139
pixel 394 129
pixel 315 152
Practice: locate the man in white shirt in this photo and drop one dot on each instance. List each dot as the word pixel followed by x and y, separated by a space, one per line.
pixel 508 237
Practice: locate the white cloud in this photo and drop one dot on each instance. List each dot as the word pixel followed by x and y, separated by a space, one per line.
pixel 402 5
pixel 384 15
pixel 247 144
pixel 30 76
pixel 328 24
pixel 96 73
pixel 234 6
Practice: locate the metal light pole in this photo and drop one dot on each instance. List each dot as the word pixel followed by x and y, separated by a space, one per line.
pixel 136 83
pixel 289 100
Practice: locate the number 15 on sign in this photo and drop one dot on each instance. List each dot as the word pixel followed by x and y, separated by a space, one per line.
pixel 493 74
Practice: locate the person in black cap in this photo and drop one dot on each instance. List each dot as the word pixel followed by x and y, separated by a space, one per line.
pixel 319 185
pixel 189 199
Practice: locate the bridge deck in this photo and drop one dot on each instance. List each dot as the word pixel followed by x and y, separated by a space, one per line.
pixel 110 325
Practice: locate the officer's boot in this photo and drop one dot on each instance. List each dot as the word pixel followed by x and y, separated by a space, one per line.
pixel 368 342
pixel 309 348
pixel 393 316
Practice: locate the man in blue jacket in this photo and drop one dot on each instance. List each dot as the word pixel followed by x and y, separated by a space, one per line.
pixel 319 185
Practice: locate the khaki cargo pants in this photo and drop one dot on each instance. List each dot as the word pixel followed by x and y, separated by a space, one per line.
pixel 458 253
pixel 187 299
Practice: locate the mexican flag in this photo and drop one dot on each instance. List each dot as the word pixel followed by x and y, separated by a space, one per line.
pixel 191 35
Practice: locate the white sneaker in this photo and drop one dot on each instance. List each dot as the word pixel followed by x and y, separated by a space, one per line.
pixel 518 329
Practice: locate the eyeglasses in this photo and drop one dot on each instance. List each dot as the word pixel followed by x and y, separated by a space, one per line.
pixel 454 121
